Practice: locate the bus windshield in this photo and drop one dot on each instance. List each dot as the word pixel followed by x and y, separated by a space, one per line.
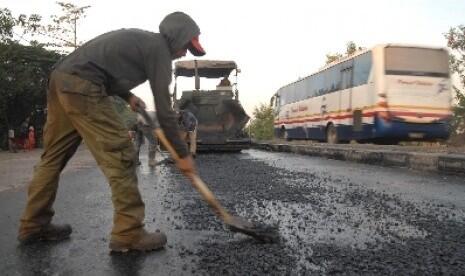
pixel 417 62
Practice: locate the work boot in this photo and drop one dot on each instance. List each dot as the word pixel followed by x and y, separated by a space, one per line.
pixel 152 162
pixel 50 232
pixel 146 242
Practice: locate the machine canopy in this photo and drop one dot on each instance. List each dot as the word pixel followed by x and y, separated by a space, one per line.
pixel 205 68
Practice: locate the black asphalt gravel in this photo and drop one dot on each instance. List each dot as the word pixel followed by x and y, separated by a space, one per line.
pixel 333 218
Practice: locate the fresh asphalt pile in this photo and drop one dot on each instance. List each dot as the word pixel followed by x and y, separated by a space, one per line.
pixel 327 224
pixel 334 218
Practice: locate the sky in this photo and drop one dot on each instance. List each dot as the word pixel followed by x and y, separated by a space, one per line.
pixel 273 42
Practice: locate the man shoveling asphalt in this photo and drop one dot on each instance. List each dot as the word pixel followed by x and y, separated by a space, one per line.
pixel 79 107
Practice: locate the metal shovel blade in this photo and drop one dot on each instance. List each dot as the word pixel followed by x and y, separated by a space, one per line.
pixel 261 232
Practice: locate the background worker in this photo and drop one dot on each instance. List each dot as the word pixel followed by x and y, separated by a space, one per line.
pixel 11 140
pixel 24 134
pixel 80 107
pixel 224 84
pixel 31 138
pixel 188 126
pixel 144 131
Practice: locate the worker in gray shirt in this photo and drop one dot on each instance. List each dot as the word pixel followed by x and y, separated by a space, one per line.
pixel 79 108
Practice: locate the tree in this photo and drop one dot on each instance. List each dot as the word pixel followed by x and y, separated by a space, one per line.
pixel 7 22
pixel 24 70
pixel 333 57
pixel 351 48
pixel 456 41
pixel 261 127
pixel 62 33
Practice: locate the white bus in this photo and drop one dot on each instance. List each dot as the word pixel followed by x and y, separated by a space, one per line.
pixel 389 93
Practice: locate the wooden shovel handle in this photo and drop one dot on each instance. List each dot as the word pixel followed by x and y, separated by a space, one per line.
pixel 196 181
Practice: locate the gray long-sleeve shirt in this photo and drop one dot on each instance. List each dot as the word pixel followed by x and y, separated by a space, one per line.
pixel 121 60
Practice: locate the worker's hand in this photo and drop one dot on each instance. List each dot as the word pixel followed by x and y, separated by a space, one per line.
pixel 186 165
pixel 135 102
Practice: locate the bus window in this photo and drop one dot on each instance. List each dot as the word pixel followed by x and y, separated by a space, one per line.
pixel 300 90
pixel 285 95
pixel 362 68
pixel 292 94
pixel 319 82
pixel 308 87
pixel 333 78
pixel 346 74
pixel 417 62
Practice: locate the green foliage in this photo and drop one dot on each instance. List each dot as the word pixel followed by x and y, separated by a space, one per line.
pixel 7 22
pixel 24 72
pixel 261 127
pixel 24 69
pixel 456 41
pixel 458 119
pixel 64 26
pixel 351 48
pixel 23 75
pixel 333 57
pixel 62 32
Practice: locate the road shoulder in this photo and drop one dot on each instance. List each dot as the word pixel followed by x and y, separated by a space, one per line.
pixel 439 159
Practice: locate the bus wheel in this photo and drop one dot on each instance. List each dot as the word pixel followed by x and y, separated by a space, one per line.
pixel 331 135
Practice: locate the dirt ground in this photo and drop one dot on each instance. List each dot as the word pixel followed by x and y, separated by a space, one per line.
pixel 26 160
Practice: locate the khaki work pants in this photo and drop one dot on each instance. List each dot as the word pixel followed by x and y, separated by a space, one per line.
pixel 79 109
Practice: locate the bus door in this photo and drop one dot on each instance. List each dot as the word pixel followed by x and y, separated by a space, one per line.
pixel 345 94
pixel 345 103
pixel 324 107
pixel 321 124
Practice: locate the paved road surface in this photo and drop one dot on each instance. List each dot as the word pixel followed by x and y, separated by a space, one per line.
pixel 335 218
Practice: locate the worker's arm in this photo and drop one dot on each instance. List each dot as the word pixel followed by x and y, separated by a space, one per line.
pixel 158 69
pixel 125 95
pixel 132 100
pixel 135 102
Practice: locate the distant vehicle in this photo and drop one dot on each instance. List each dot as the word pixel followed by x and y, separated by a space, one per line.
pixel 386 94
pixel 221 118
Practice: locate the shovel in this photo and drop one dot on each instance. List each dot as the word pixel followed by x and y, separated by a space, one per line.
pixel 261 232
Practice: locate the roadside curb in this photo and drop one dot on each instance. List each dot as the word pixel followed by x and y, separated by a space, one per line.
pixel 420 161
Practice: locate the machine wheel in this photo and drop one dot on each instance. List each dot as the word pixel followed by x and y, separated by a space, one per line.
pixel 331 135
